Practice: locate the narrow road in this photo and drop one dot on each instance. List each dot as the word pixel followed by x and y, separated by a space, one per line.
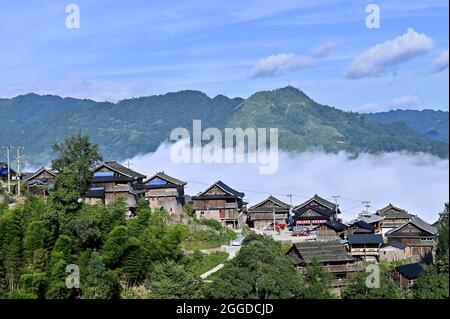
pixel 232 251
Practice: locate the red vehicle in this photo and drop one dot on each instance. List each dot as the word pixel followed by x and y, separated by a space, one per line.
pixel 278 225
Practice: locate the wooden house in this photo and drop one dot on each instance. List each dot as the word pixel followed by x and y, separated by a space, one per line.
pixel 373 219
pixel 360 227
pixel 418 235
pixel 331 231
pixel 393 217
pixel 4 172
pixel 41 181
pixel 266 212
pixel 393 252
pixel 220 202
pixel 331 255
pixel 406 275
pixel 164 191
pixel 365 246
pixel 314 212
pixel 112 180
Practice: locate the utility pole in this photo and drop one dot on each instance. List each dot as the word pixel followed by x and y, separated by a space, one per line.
pixel 274 224
pixel 366 204
pixel 290 204
pixel 8 156
pixel 18 169
pixel 8 148
pixel 128 164
pixel 336 197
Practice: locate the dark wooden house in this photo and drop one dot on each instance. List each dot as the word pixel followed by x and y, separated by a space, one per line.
pixel 331 255
pixel 406 275
pixel 41 181
pixel 360 227
pixel 331 231
pixel 164 191
pixel 314 212
pixel 264 213
pixel 4 172
pixel 373 219
pixel 418 235
pixel 220 202
pixel 393 217
pixel 112 180
pixel 365 246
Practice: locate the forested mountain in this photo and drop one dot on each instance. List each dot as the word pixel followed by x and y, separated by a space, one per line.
pixel 432 123
pixel 140 125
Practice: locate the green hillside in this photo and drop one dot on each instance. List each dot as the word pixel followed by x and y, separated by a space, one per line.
pixel 432 123
pixel 140 125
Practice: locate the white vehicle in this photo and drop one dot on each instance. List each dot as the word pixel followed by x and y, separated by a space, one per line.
pixel 238 241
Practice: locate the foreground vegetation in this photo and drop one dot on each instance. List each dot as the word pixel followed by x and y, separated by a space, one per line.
pixel 143 256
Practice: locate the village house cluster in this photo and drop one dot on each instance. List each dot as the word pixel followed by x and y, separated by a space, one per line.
pixel 389 234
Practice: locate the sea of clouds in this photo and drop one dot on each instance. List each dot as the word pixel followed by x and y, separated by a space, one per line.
pixel 418 183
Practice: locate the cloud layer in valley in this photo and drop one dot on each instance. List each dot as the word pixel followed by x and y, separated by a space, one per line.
pixel 418 183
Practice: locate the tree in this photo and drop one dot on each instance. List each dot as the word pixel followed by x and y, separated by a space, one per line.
pixel 11 246
pixel 258 271
pixel 36 237
pixel 86 226
pixel 97 284
pixel 61 257
pixel 169 280
pixel 77 156
pixel 443 241
pixel 431 285
pixel 117 245
pixel 317 282
pixel 358 289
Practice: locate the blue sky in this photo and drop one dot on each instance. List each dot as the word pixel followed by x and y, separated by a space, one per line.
pixel 133 48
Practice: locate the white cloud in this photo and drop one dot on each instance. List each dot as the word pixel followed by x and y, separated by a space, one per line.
pixel 418 183
pixel 380 58
pixel 440 63
pixel 407 101
pixel 279 64
pixel 323 51
pixel 282 63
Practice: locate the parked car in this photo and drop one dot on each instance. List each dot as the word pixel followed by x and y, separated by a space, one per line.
pixel 238 241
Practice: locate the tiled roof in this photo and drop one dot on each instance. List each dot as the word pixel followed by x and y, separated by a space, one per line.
pixel 121 169
pixel 355 239
pixel 410 271
pixel 323 251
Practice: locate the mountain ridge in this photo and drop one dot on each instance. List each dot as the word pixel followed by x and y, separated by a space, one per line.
pixel 139 125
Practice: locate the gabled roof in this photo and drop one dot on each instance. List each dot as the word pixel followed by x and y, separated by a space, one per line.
pixel 398 212
pixel 326 212
pixel 336 225
pixel 355 239
pixel 371 219
pixel 167 178
pixel 410 271
pixel 39 171
pixel 320 200
pixel 227 189
pixel 321 251
pixel 362 224
pixel 272 199
pixel 419 223
pixel 113 165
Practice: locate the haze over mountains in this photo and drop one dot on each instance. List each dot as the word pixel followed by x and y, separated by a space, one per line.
pixel 140 125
